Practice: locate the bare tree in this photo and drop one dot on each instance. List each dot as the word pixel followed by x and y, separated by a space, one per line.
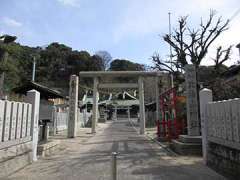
pixel 106 58
pixel 160 64
pixel 165 65
pixel 193 44
pixel 177 42
pixel 222 55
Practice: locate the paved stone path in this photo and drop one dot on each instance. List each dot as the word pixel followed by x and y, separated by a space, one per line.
pixel 88 158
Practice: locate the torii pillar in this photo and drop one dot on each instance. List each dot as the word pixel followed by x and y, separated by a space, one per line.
pixel 139 85
pixel 95 104
pixel 141 104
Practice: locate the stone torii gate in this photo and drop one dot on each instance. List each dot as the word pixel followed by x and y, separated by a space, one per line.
pixel 96 75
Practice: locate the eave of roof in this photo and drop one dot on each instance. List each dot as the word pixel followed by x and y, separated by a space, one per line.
pixel 231 71
pixel 45 92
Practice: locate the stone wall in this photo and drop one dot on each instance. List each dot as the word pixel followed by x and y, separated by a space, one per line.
pixel 19 133
pixel 15 138
pixel 223 137
pixel 221 134
pixel 15 157
pixel 224 160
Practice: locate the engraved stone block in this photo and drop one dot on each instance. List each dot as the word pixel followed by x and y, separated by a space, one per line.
pixel 227 111
pixel 192 102
pixel 29 118
pixel 13 121
pixel 6 124
pixel 24 120
pixel 2 107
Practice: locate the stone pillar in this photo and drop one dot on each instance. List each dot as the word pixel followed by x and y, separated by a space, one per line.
pixel 33 97
pixel 73 105
pixel 192 101
pixel 205 96
pixel 157 98
pixel 95 105
pixel 141 104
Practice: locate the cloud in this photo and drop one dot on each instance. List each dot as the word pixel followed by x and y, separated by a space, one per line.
pixel 140 17
pixel 73 3
pixel 11 22
pixel 137 20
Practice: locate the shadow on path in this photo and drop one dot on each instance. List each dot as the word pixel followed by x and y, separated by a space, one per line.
pixel 139 159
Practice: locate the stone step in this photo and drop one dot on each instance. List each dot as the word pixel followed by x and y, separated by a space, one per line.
pixel 48 148
pixel 190 139
pixel 186 148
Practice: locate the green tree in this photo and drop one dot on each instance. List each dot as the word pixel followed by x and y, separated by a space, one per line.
pixel 54 66
pixel 18 64
pixel 125 65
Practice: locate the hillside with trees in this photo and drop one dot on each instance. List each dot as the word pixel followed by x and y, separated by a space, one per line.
pixel 54 64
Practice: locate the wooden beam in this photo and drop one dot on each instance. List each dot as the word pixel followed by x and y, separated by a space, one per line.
pixel 118 86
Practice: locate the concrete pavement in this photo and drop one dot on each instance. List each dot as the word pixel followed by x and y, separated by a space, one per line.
pixel 88 157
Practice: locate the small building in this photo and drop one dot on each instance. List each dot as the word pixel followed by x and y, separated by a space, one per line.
pixel 51 102
pixel 48 98
pixel 46 93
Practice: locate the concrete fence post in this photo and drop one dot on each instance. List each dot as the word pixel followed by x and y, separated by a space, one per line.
pixel 7 119
pixel 33 97
pixel 205 96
